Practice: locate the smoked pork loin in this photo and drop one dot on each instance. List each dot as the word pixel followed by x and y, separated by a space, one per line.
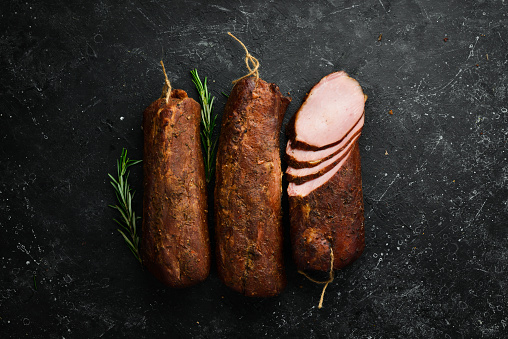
pixel 248 190
pixel 324 174
pixel 175 245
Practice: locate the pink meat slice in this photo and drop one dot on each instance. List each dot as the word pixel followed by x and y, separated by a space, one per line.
pixel 331 109
pixel 304 189
pixel 303 172
pixel 305 158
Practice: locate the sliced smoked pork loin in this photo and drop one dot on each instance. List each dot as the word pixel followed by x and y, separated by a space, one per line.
pixel 325 185
pixel 329 217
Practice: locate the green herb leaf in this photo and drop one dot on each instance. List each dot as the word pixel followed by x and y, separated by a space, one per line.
pixel 124 195
pixel 207 122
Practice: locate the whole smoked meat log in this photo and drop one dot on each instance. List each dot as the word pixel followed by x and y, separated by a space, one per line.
pixel 175 245
pixel 248 190
pixel 326 209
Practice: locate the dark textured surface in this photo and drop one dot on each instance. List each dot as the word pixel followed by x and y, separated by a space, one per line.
pixel 76 78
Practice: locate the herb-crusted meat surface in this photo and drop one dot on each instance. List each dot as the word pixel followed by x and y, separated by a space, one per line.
pixel 175 245
pixel 248 190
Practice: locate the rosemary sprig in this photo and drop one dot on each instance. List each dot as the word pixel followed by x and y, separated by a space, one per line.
pixel 124 195
pixel 208 124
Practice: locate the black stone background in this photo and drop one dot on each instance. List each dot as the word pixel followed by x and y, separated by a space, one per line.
pixel 77 75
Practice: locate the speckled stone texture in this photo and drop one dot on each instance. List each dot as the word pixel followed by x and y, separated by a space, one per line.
pixel 77 76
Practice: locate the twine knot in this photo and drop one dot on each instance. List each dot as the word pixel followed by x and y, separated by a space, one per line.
pixel 249 59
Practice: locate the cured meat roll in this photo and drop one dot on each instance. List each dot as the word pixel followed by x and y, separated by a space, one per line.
pixel 248 190
pixel 175 245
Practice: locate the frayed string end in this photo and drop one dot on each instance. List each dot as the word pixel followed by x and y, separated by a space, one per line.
pixel 168 84
pixel 330 279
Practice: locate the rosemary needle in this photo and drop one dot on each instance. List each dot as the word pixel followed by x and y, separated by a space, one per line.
pixel 124 195
pixel 208 124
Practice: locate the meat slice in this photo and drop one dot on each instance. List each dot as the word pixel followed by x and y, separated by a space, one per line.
pixel 332 108
pixel 298 158
pixel 302 175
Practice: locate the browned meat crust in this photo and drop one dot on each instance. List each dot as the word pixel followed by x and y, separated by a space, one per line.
pixel 248 190
pixel 331 215
pixel 175 245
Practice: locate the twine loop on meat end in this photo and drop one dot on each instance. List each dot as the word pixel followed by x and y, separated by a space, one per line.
pixel 249 59
pixel 168 85
pixel 330 279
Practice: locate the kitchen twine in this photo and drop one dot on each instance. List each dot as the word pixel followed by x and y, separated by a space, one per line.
pixel 330 279
pixel 168 93
pixel 248 60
